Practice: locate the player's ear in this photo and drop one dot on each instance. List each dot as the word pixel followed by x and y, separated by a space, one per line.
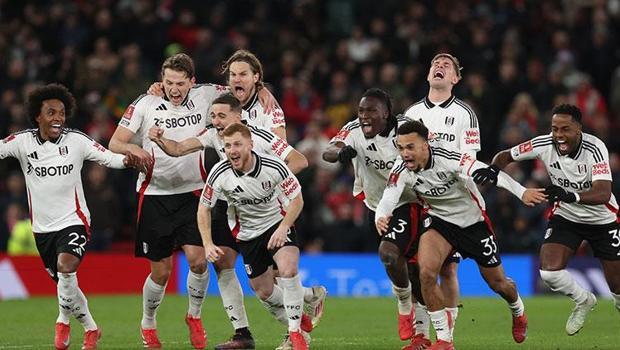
pixel 193 80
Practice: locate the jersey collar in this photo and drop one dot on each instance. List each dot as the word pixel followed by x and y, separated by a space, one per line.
pixel 41 141
pixel 431 159
pixel 444 104
pixel 391 124
pixel 255 171
pixel 251 102
pixel 577 152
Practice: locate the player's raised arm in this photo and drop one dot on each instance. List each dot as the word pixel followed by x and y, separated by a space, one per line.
pixel 340 148
pixel 171 147
pixel 125 131
pixel 9 147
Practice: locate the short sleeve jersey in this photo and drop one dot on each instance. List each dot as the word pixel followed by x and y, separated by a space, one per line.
pixel 574 173
pixel 255 115
pixel 171 175
pixel 451 124
pixel 375 157
pixel 53 175
pixel 254 195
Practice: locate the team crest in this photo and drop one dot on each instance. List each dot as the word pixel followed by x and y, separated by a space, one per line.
pixel 248 269
pixel 190 105
pixel 582 169
pixel 266 185
pixel 442 176
pixel 427 222
pixel 548 233
pixel 63 150
pixel 252 115
pixel 145 247
pixel 449 121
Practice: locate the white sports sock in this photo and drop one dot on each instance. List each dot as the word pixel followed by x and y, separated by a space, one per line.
pixel 275 305
pixel 66 289
pixel 308 294
pixel 82 313
pixel 422 321
pixel 439 319
pixel 293 301
pixel 562 281
pixel 232 298
pixel 517 307
pixel 616 300
pixel 404 299
pixel 196 289
pixel 454 312
pixel 152 295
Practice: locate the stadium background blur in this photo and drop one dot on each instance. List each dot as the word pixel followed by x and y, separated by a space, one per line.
pixel 520 58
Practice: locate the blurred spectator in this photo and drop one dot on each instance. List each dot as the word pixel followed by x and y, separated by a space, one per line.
pixel 103 203
pixel 21 240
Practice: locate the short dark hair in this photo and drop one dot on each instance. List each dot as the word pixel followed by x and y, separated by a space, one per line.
pixel 229 99
pixel 413 126
pixel 237 128
pixel 569 109
pixel 249 58
pixel 382 96
pixel 49 92
pixel 180 63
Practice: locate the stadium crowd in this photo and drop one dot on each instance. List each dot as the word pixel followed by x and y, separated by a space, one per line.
pixel 520 58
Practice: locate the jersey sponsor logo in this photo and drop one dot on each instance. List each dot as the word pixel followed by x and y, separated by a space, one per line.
pixel 449 121
pixel 566 183
pixel 277 117
pixel 129 112
pixel 442 176
pixel 600 169
pixel 441 136
pixel 8 138
pixel 180 122
pixel 253 201
pixel 29 168
pixel 207 194
pixel 289 186
pixel 427 222
pixel 98 146
pixel 378 164
pixel 525 147
pixel 63 150
pixel 33 155
pixel 472 137
pixel 58 170
pixel 248 268
pixel 279 146
pixel 393 179
pixel 441 189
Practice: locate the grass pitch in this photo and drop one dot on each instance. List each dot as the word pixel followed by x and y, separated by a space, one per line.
pixel 483 323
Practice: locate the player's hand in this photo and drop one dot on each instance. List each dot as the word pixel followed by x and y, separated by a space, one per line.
pixel 213 253
pixel 145 159
pixel 278 238
pixel 267 100
pixel 346 153
pixel 382 225
pixel 558 194
pixel 131 161
pixel 156 89
pixel 155 133
pixel 533 196
pixel 483 176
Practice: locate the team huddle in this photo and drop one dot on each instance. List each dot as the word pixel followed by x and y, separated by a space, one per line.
pixel 417 174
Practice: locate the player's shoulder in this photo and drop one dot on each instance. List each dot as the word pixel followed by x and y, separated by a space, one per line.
pixel 399 166
pixel 219 170
pixel 542 142
pixel 352 125
pixel 261 132
pixel 415 107
pixel 20 135
pixel 466 111
pixel 208 88
pixel 594 145
pixel 75 134
pixel 401 119
pixel 445 153
pixel 272 164
pixel 146 100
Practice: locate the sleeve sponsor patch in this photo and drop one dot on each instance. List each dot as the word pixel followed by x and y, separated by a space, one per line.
pixel 289 186
pixel 129 112
pixel 525 147
pixel 277 117
pixel 600 169
pixel 472 137
pixel 279 146
pixel 341 136
pixel 207 194
pixel 9 138
pixel 99 147
pixel 393 179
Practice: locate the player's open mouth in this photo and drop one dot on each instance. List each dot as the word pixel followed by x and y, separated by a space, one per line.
pixel 438 75
pixel 366 127
pixel 562 145
pixel 56 127
pixel 176 98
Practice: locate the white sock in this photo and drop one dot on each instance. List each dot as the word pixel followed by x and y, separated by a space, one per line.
pixel 439 319
pixel 517 307
pixel 66 289
pixel 152 295
pixel 82 313
pixel 562 281
pixel 293 301
pixel 616 300
pixel 196 288
pixel 454 312
pixel 422 321
pixel 308 294
pixel 404 299
pixel 275 305
pixel 232 298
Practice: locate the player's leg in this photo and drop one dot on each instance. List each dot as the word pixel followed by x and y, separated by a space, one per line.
pixel 433 250
pixel 611 268
pixel 421 339
pixel 197 283
pixel 605 242
pixel 449 284
pixel 153 292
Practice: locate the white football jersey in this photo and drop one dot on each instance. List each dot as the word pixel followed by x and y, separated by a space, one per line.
pixel 172 175
pixel 574 173
pixel 264 141
pixel 451 124
pixel 253 195
pixel 255 115
pixel 53 175
pixel 375 157
pixel 444 187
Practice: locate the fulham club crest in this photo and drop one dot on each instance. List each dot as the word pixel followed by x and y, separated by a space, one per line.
pixel 449 121
pixel 63 150
pixel 266 185
pixel 581 169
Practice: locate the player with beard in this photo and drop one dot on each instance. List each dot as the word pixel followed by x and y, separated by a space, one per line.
pixel 51 157
pixel 453 125
pixel 584 208
pixel 456 220
pixel 368 142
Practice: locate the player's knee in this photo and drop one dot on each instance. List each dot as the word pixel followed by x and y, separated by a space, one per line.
pixel 160 277
pixel 287 271
pixel 428 276
pixel 198 266
pixel 66 267
pixel 551 278
pixel 389 258
pixel 448 271
pixel 498 285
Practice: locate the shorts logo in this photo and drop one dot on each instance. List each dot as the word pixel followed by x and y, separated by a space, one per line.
pixel 145 247
pixel 449 121
pixel 248 269
pixel 427 222
pixel 548 233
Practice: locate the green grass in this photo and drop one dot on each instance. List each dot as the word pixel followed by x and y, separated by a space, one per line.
pixel 347 324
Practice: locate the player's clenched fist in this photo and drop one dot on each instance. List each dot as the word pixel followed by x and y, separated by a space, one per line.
pixel 213 252
pixel 155 133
